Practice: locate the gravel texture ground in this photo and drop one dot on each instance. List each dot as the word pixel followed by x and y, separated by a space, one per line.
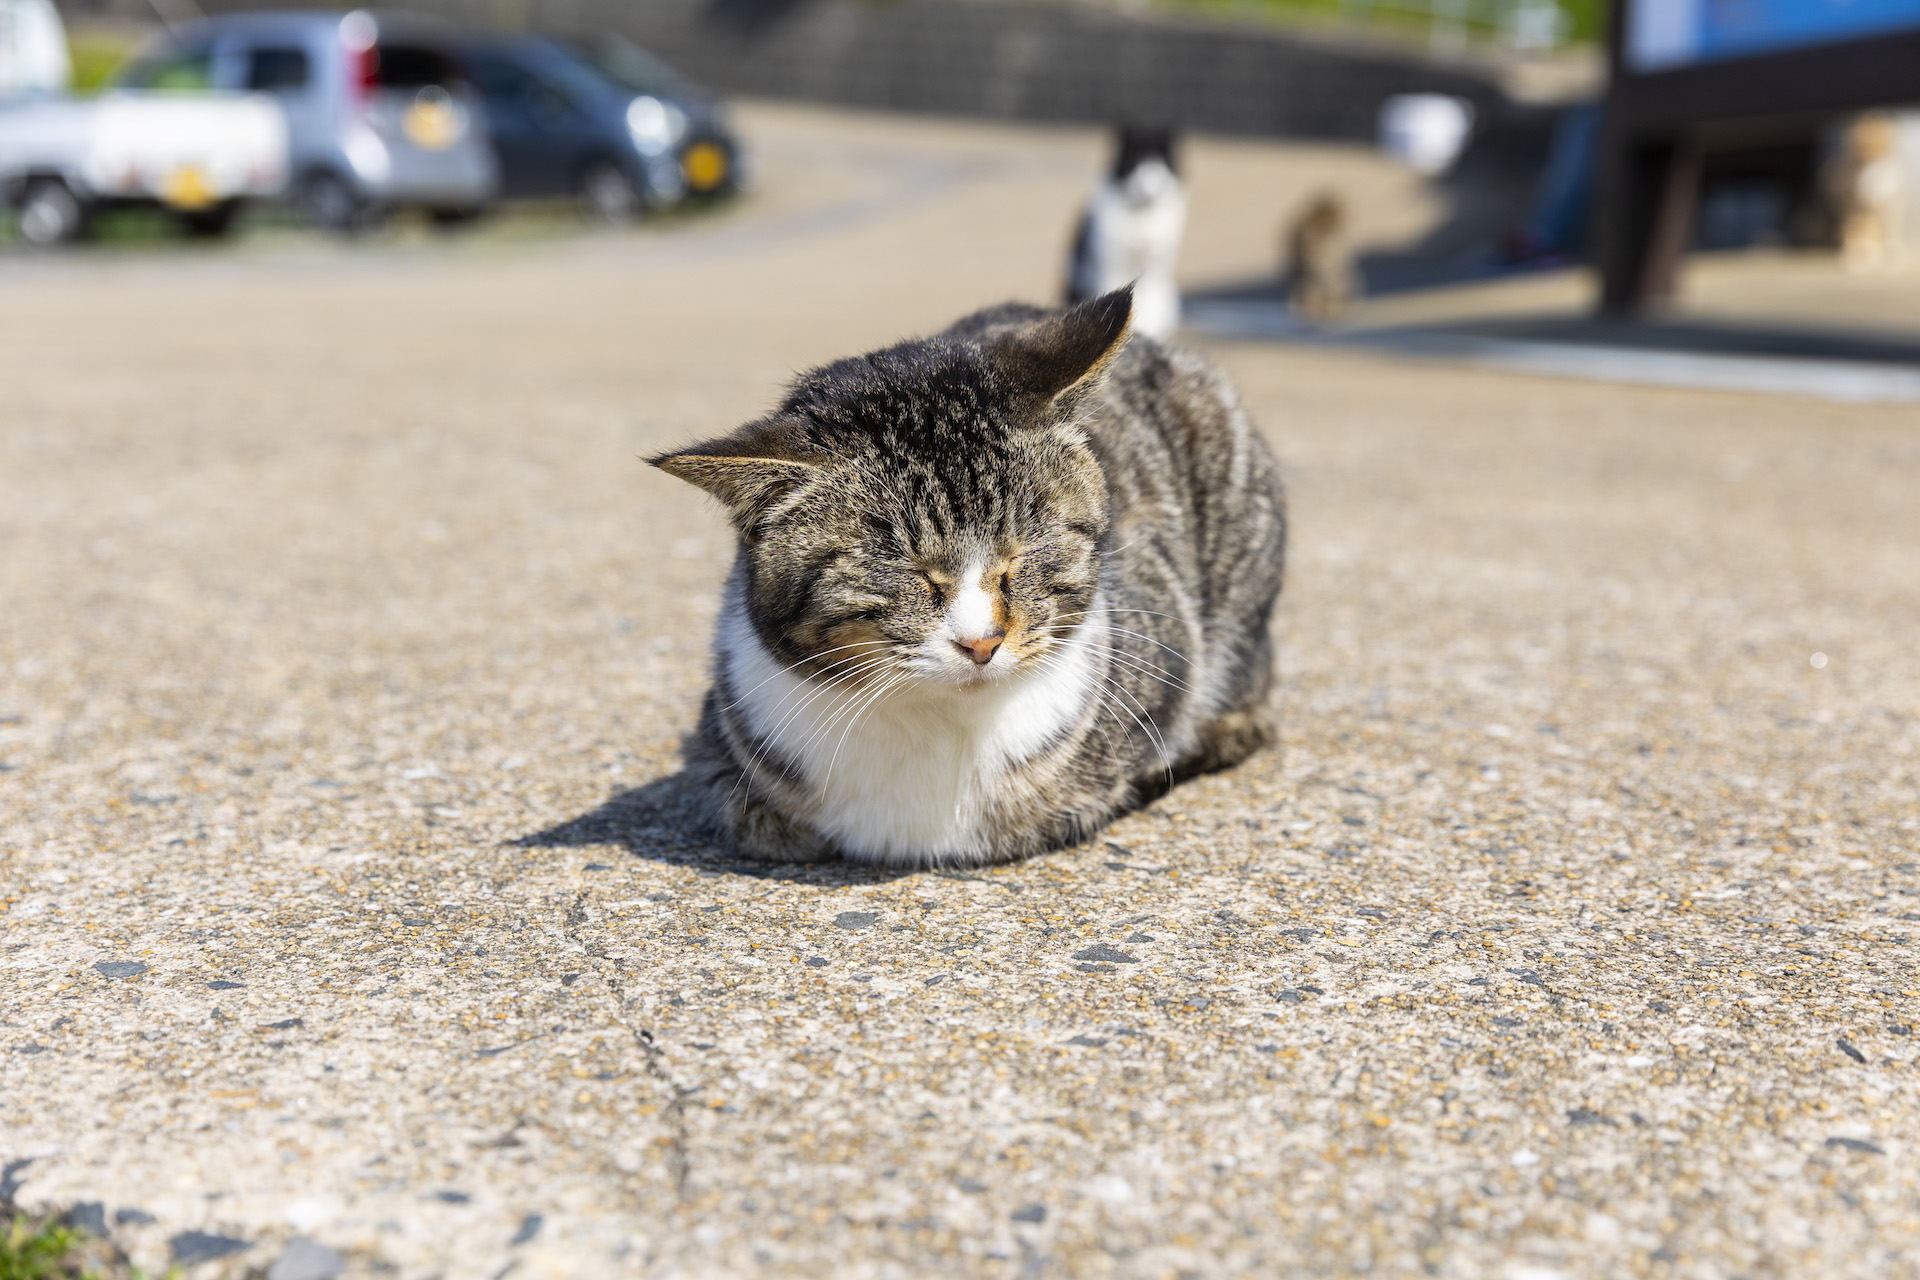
pixel 354 923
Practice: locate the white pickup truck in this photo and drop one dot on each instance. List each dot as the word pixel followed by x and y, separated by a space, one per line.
pixel 198 152
pixel 201 154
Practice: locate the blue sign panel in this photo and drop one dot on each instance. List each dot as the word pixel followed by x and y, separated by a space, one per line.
pixel 1666 34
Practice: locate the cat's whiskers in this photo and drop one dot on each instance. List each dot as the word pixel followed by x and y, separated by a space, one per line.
pixel 854 719
pixel 857 698
pixel 1152 670
pixel 1143 665
pixel 1149 727
pixel 1136 634
pixel 822 688
pixel 858 703
pixel 1134 667
pixel 1110 681
pixel 1120 608
pixel 1133 662
pixel 767 740
pixel 789 668
pixel 841 673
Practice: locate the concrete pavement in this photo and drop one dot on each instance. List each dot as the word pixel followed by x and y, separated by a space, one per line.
pixel 354 923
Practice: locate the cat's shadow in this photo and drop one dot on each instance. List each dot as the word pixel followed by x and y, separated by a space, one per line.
pixel 661 821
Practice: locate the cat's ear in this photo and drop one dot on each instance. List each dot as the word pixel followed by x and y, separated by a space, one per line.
pixel 748 471
pixel 1067 352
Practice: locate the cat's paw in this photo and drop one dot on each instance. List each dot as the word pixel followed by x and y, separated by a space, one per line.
pixel 1232 738
pixel 761 832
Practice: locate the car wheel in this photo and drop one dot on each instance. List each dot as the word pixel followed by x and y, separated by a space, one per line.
pixel 210 223
pixel 327 202
pixel 50 213
pixel 607 194
pixel 666 184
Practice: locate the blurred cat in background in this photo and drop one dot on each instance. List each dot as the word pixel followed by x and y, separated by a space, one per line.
pixel 1866 185
pixel 1130 232
pixel 1317 263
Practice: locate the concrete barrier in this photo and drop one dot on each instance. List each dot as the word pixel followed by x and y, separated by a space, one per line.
pixel 1007 60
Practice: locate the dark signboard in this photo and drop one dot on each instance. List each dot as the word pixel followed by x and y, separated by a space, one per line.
pixel 1694 81
pixel 1666 34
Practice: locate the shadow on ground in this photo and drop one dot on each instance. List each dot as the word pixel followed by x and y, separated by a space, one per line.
pixel 1697 337
pixel 1262 312
pixel 661 821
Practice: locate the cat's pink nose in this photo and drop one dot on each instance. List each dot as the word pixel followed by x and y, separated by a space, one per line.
pixel 980 650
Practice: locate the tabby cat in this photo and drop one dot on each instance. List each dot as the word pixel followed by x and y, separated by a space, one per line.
pixel 1318 268
pixel 993 588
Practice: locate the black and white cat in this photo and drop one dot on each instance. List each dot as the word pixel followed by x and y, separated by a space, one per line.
pixel 1130 233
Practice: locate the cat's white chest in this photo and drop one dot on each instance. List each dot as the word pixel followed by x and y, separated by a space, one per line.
pixel 906 777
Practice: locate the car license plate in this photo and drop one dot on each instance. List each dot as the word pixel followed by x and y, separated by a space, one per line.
pixel 705 167
pixel 431 123
pixel 187 188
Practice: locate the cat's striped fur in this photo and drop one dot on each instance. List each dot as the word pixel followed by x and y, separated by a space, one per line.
pixel 994 588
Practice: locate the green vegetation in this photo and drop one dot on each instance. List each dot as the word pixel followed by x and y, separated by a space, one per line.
pixel 1589 19
pixel 97 52
pixel 47 1248
pixel 41 1249
pixel 1513 23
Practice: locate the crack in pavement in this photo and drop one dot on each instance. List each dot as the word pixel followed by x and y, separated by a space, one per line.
pixel 675 1112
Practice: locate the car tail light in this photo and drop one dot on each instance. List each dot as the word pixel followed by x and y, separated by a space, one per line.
pixel 358 36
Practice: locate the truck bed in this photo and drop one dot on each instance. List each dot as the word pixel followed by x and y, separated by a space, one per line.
pixel 184 150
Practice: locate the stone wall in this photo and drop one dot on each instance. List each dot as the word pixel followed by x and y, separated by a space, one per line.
pixel 1006 59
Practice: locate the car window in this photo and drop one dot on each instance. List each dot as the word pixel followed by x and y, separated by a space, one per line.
pixel 508 87
pixel 270 69
pixel 569 74
pixel 171 69
pixel 501 83
pixel 630 66
pixel 408 66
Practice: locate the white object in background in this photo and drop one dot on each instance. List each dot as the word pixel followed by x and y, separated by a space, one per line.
pixel 1906 127
pixel 1537 25
pixel 186 149
pixel 1426 131
pixel 33 49
pixel 1133 231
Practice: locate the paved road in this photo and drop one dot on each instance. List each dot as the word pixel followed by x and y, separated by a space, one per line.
pixel 346 646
